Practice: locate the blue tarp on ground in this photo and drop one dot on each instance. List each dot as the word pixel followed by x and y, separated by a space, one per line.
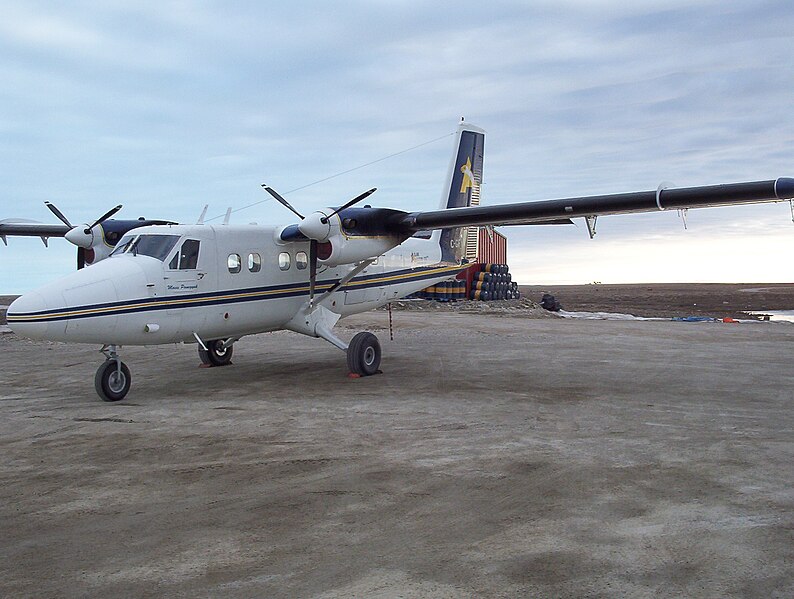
pixel 694 319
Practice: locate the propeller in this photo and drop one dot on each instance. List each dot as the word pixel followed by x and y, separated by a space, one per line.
pixel 282 201
pixel 316 228
pixel 102 218
pixel 81 235
pixel 312 269
pixel 355 200
pixel 53 208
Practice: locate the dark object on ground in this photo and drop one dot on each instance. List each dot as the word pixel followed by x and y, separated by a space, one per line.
pixel 550 303
pixel 666 300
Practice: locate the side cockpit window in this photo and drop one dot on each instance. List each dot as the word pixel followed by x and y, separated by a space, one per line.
pixel 156 246
pixel 187 257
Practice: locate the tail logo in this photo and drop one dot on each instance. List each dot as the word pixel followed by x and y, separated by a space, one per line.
pixel 468 177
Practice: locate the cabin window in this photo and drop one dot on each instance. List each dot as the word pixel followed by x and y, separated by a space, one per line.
pixel 301 260
pixel 234 262
pixel 254 262
pixel 187 257
pixel 283 261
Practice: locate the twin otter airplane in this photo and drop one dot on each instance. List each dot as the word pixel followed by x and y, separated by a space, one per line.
pixel 211 285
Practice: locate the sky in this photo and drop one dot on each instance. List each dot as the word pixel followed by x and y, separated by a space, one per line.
pixel 167 106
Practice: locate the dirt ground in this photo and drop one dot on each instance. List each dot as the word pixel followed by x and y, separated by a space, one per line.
pixel 717 300
pixel 496 456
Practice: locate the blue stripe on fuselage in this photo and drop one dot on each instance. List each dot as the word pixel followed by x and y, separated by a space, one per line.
pixel 230 296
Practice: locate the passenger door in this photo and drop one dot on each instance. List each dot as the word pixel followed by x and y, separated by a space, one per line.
pixel 182 275
pixel 186 275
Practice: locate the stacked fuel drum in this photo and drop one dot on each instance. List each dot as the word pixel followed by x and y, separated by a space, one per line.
pixel 493 282
pixel 488 282
pixel 445 291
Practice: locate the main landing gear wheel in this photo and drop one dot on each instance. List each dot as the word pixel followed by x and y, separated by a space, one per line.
pixel 112 383
pixel 363 354
pixel 216 354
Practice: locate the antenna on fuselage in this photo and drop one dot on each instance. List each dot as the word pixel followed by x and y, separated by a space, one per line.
pixel 228 215
pixel 200 220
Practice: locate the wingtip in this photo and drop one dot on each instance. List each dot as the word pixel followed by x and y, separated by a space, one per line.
pixel 784 188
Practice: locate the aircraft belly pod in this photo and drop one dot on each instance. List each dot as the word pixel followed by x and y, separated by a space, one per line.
pixel 215 284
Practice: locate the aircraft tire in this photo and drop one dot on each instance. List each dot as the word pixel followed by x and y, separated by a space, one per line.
pixel 363 354
pixel 109 385
pixel 216 354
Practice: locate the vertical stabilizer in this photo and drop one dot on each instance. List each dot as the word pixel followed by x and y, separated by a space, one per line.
pixel 462 189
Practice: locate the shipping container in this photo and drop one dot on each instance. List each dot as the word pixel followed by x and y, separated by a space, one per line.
pixel 492 246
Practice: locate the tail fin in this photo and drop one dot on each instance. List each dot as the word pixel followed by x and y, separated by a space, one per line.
pixel 462 189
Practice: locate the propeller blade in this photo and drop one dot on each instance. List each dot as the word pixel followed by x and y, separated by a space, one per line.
pixel 59 214
pixel 282 201
pixel 103 218
pixel 80 258
pixel 312 269
pixel 355 200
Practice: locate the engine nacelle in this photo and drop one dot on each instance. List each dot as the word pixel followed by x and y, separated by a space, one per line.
pixel 340 249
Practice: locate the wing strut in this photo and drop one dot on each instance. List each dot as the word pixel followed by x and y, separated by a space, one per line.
pixel 591 225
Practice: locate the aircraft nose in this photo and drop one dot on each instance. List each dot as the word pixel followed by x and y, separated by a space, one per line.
pixel 24 315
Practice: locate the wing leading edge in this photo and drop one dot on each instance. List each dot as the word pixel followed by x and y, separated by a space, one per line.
pixel 525 213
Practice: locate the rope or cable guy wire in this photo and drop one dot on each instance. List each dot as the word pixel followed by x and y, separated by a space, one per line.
pixel 350 170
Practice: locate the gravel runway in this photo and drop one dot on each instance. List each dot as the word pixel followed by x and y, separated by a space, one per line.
pixel 496 456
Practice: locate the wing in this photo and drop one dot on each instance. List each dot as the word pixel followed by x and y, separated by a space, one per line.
pixel 620 203
pixel 30 228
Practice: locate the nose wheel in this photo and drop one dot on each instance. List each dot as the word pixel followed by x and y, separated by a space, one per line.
pixel 112 380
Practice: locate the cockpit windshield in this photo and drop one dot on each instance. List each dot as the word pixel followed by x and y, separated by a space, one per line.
pixel 123 245
pixel 156 246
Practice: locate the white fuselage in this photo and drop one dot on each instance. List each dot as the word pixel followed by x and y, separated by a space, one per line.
pixel 244 281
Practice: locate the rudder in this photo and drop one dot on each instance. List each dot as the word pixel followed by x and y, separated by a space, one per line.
pixel 462 189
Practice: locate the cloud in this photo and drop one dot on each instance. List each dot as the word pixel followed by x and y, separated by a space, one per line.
pixel 167 106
